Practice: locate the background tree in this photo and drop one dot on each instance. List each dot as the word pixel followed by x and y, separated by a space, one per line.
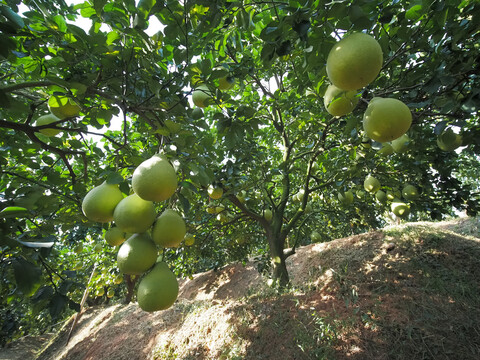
pixel 268 142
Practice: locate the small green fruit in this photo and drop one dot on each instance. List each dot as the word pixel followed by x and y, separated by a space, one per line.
pixel 134 215
pixel 339 102
pixel 410 192
pixel 137 254
pixel 114 236
pixel 215 192
pixel 100 202
pixel 169 229
pixel 202 96
pixel 371 184
pixel 45 120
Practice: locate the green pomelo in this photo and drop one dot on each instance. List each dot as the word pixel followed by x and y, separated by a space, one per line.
pixel 100 202
pixel 400 209
pixel 410 192
pixel 381 196
pixel 400 145
pixel 371 184
pixel 189 240
pixel 226 83
pixel 201 96
pixel 63 107
pixel 114 236
pixel 137 254
pixel 154 179
pixel 197 113
pixel 346 197
pixel 45 120
pixel 386 150
pixel 158 289
pixel 268 215
pixel 339 102
pixel 134 215
pixel 386 119
pixel 215 192
pixel 169 229
pixel 449 140
pixel 354 61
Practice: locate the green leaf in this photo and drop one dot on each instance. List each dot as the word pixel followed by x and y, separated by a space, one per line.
pixel 14 19
pixel 57 305
pixel 27 276
pixel 60 21
pixel 13 211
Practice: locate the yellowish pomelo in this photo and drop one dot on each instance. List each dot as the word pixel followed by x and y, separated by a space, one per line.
pixel 189 240
pixel 100 202
pixel 154 179
pixel 169 229
pixel 63 107
pixel 45 120
pixel 386 119
pixel 339 102
pixel 137 254
pixel 114 236
pixel 381 196
pixel 158 289
pixel 371 184
pixel 354 61
pixel 215 192
pixel 226 83
pixel 386 150
pixel 134 215
pixel 202 96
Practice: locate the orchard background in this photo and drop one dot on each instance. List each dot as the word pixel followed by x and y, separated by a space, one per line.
pixel 268 142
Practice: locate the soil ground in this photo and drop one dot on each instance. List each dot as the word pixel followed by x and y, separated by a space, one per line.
pixel 403 292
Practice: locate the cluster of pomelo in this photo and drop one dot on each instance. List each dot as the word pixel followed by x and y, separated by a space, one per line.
pixel 154 180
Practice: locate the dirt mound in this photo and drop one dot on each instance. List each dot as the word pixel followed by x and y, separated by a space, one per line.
pixel 409 291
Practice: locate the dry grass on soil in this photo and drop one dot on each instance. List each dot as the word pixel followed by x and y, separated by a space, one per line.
pixel 405 292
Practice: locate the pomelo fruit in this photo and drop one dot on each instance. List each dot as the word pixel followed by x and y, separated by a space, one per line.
pixel 226 83
pixel 100 202
pixel 158 289
pixel 137 254
pixel 134 215
pixel 45 120
pixel 386 119
pixel 448 140
pixel 268 215
pixel 339 102
pixel 354 61
pixel 114 236
pixel 400 209
pixel 386 150
pixel 63 107
pixel 202 96
pixel 154 179
pixel 346 197
pixel 381 196
pixel 371 184
pixel 215 192
pixel 189 240
pixel 169 229
pixel 400 145
pixel 410 192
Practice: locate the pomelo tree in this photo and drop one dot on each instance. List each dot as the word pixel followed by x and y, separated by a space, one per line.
pixel 267 142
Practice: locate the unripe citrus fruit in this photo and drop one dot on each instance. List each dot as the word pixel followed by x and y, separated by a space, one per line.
pixel 386 150
pixel 381 196
pixel 400 209
pixel 201 96
pixel 400 145
pixel 154 179
pixel 346 197
pixel 386 119
pixel 114 236
pixel 97 248
pixel 226 83
pixel 189 240
pixel 158 289
pixel 169 229
pixel 371 184
pixel 134 215
pixel 45 120
pixel 137 254
pixel 449 140
pixel 410 192
pixel 215 192
pixel 354 61
pixel 339 102
pixel 268 215
pixel 63 107
pixel 100 202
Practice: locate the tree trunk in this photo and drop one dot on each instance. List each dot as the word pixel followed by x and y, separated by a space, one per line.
pixel 280 272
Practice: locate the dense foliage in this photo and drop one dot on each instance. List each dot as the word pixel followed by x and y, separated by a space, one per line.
pixel 268 141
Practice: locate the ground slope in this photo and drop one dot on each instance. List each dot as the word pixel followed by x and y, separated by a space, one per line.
pixel 405 292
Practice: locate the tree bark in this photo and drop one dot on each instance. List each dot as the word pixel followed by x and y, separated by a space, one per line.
pixel 280 272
